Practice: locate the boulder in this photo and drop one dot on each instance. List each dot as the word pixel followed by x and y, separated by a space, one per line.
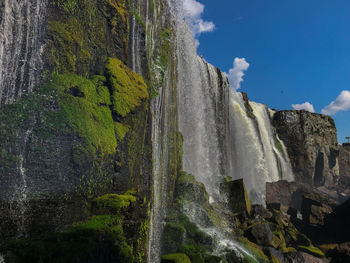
pixel 311 259
pixel 337 224
pixel 260 234
pixel 302 257
pixel 285 196
pixel 237 195
pixel 188 189
pixel 340 254
pixel 315 206
pixel 294 257
pixel 275 255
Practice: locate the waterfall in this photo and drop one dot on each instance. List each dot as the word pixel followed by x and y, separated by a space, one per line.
pixel 254 154
pixel 23 187
pixel 135 35
pixel 224 135
pixel 21 33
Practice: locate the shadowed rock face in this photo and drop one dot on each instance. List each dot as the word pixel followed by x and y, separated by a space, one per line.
pixel 311 141
pixel 344 161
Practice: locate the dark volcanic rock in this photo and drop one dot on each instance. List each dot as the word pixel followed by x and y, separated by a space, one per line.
pixel 341 253
pixel 311 259
pixel 315 207
pixel 189 189
pixel 285 195
pixel 337 224
pixel 237 196
pixel 312 145
pixel 344 161
pixel 294 257
pixel 260 234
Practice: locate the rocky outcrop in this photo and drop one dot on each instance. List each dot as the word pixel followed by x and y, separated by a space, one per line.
pixel 311 141
pixel 344 161
pixel 237 195
pixel 315 207
pixel 285 195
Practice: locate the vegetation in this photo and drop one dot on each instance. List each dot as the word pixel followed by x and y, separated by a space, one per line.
pixel 128 89
pixel 81 240
pixel 175 258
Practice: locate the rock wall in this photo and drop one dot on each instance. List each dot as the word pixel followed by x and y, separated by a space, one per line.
pixel 344 161
pixel 311 141
pixel 85 130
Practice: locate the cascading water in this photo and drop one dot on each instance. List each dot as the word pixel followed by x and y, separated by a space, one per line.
pixel 206 106
pixel 254 154
pixel 21 32
pixel 135 36
pixel 220 137
pixel 21 196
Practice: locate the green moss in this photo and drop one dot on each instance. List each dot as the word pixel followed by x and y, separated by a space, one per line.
pixel 87 112
pixel 142 241
pixel 181 235
pixel 175 258
pixel 274 259
pixel 119 6
pixel 74 244
pixel 83 34
pixel 279 146
pixel 258 254
pixel 121 130
pixel 114 202
pixel 138 19
pixel 312 250
pixel 127 88
pixel 161 62
pixel 327 247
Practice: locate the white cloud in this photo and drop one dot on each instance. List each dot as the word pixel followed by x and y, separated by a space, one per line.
pixel 235 74
pixel 193 11
pixel 304 106
pixel 341 103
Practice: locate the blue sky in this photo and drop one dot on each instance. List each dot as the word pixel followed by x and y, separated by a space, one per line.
pixel 298 50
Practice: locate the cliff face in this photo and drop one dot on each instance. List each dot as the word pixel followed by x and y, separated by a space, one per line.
pixel 344 161
pixel 311 141
pixel 82 131
pixel 90 149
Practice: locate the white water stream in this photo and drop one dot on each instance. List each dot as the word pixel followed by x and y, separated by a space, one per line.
pixel 21 30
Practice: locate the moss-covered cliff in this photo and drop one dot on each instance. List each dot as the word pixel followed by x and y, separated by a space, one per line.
pixel 85 132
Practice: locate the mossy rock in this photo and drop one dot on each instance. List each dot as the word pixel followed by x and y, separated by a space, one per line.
pixel 81 34
pixel 256 251
pixel 194 252
pixel 113 203
pixel 80 242
pixel 182 236
pixel 274 259
pixel 236 192
pixel 173 236
pixel 175 258
pixel 212 259
pixel 128 89
pixel 312 250
pixel 190 190
pixel 327 247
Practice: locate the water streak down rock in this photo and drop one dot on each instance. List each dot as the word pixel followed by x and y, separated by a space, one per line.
pixel 22 30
